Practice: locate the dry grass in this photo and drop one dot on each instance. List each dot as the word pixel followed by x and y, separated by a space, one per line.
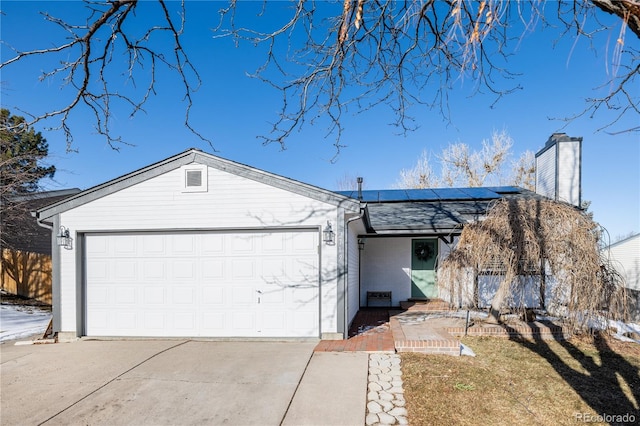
pixel 523 382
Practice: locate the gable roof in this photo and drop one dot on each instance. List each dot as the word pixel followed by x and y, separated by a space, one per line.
pixel 196 156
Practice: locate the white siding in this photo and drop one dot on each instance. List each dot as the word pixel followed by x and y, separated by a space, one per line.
pixel 386 266
pixel 625 257
pixel 558 172
pixel 528 296
pixel 569 172
pixel 353 277
pixel 546 173
pixel 231 202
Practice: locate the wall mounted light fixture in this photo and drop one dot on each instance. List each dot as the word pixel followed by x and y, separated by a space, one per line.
pixel 328 236
pixel 64 239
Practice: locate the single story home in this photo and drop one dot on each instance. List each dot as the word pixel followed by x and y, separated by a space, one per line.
pixel 200 246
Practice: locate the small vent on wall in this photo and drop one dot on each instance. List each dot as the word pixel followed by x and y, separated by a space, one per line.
pixel 194 178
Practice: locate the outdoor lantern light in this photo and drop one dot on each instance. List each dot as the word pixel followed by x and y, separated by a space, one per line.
pixel 361 243
pixel 327 235
pixel 64 239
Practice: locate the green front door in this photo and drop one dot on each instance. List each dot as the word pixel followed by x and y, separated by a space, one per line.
pixel 423 268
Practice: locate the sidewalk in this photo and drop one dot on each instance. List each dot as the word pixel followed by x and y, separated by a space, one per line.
pixel 332 391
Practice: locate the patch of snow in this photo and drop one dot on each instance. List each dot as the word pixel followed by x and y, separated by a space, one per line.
pixel 18 322
pixel 622 328
pixel 601 323
pixel 466 350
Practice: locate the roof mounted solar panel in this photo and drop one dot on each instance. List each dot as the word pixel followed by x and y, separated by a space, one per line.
pixel 480 193
pixel 420 195
pixel 431 194
pixel 450 194
pixel 504 189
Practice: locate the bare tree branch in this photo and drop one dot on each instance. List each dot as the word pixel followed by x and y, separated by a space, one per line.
pixel 95 50
pixel 329 59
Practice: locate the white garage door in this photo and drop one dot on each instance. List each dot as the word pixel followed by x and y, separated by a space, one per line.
pixel 213 284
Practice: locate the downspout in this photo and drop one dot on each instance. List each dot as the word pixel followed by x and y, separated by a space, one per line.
pixel 55 270
pixel 345 332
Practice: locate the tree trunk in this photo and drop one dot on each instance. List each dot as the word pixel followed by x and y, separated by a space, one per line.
pixel 628 11
pixel 498 301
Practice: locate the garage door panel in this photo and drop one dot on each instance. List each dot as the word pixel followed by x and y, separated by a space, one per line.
pixel 184 269
pixel 212 268
pixel 99 271
pixel 126 295
pixel 242 268
pixel 152 245
pixel 274 295
pixel 214 322
pixel 213 295
pixel 273 269
pixel 125 270
pixel 244 322
pixel 274 243
pixel 208 284
pixel 184 295
pixel 126 320
pixel 125 246
pixel 184 321
pixel 212 244
pixel 242 243
pixel 153 295
pixel 154 321
pixel 152 270
pixel 182 245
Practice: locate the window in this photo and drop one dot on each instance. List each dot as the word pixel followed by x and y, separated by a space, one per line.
pixel 194 178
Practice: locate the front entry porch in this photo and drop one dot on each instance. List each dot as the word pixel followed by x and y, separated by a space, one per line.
pixel 425 328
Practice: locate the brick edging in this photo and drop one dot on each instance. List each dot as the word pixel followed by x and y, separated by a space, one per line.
pixel 529 331
pixel 432 346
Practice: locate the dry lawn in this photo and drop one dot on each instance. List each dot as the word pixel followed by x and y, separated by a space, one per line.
pixel 524 382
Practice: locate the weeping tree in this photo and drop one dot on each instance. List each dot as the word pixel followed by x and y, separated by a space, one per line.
pixel 535 249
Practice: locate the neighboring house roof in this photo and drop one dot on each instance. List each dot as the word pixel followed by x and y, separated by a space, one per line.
pixel 191 156
pixel 625 241
pixel 30 236
pixel 440 211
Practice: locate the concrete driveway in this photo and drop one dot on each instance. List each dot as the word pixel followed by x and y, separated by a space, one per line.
pixel 179 382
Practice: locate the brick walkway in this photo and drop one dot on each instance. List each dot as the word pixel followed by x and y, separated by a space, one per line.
pixel 369 332
pixel 405 330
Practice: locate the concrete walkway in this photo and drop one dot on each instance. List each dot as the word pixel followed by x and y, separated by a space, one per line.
pixel 332 391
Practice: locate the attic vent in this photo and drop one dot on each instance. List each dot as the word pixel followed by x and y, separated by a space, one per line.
pixel 194 178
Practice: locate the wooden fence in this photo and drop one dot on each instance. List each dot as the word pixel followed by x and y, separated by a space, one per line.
pixel 26 274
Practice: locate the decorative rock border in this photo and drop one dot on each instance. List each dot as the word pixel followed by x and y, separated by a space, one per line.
pixel 385 395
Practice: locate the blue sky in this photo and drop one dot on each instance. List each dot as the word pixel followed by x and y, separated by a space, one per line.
pixel 233 109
